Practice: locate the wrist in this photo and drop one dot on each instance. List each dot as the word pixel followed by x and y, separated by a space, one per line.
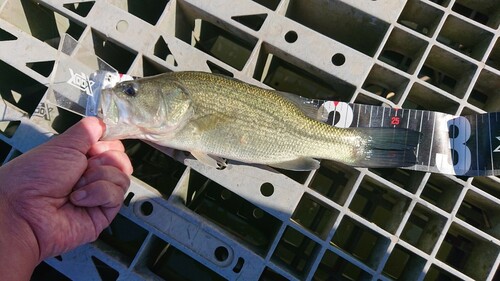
pixel 19 251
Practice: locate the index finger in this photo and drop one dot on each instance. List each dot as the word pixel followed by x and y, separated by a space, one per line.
pixel 103 146
pixel 113 158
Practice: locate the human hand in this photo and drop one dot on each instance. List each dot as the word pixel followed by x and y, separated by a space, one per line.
pixel 63 193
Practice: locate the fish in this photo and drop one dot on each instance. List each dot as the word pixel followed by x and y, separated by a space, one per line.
pixel 215 117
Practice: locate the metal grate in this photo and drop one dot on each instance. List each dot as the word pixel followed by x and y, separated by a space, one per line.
pixel 184 221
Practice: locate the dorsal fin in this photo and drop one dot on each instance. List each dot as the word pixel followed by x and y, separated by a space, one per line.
pixel 304 104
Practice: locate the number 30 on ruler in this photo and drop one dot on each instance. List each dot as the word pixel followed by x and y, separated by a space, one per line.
pixel 460 154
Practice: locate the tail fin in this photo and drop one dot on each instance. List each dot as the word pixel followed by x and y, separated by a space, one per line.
pixel 389 147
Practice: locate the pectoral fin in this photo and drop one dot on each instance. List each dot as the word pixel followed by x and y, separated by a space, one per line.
pixel 208 122
pixel 299 164
pixel 212 161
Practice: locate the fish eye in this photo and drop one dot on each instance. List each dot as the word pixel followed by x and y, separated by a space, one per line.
pixel 129 90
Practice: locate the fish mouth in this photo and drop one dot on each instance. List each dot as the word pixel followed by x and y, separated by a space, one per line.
pixel 108 110
pixel 114 117
pixel 115 110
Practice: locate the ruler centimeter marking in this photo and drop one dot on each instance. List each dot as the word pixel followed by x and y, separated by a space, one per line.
pixel 370 121
pixel 357 123
pixel 383 114
pixel 334 115
pixel 477 145
pixel 420 130
pixel 491 142
pixel 408 120
pixel 432 140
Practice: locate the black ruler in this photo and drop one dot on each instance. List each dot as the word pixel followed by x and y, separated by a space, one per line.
pixel 457 145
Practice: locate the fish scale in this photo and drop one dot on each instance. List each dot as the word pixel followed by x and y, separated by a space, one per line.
pixel 278 124
pixel 213 115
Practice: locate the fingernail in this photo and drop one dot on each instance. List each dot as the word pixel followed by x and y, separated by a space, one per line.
pixel 79 195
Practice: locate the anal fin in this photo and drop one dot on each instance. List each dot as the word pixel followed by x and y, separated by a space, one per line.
pixel 299 164
pixel 212 161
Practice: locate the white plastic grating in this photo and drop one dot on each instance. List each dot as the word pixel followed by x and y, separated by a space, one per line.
pixel 185 221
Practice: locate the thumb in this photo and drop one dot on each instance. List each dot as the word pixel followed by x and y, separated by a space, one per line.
pixel 80 136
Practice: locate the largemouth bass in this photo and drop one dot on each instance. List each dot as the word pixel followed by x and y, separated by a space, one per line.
pixel 215 117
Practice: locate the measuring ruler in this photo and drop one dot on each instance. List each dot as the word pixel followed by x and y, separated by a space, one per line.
pixel 457 145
